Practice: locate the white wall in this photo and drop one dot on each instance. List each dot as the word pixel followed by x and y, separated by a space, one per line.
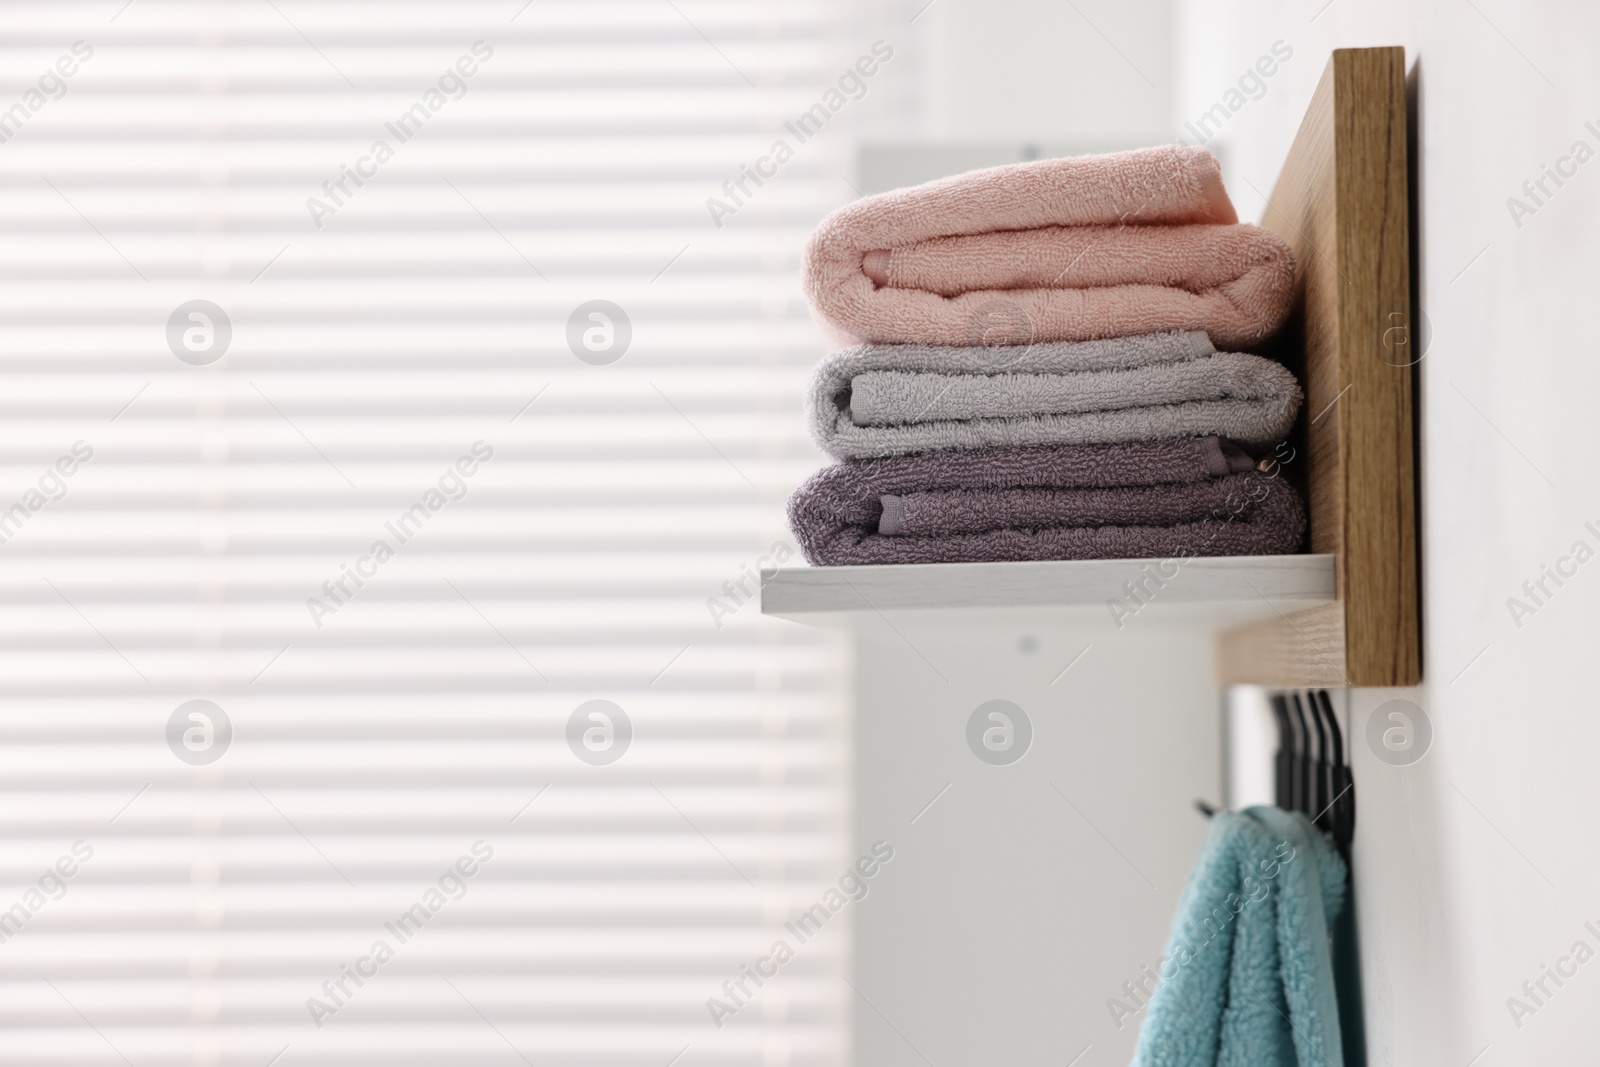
pixel 1477 865
pixel 1013 911
pixel 1094 74
pixel 1097 70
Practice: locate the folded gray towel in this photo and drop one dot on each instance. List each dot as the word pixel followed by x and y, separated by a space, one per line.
pixel 889 400
pixel 1189 497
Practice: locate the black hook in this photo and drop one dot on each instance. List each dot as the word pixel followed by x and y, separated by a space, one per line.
pixel 1310 799
pixel 1283 780
pixel 1321 808
pixel 1342 821
pixel 1312 773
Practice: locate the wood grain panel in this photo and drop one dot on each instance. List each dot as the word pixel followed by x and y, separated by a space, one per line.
pixel 1341 204
pixel 1298 649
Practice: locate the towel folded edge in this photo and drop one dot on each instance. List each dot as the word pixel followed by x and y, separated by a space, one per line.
pixel 893 520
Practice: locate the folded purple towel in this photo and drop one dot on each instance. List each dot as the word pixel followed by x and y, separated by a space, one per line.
pixel 1190 497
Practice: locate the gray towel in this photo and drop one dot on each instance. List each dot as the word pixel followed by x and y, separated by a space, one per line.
pixel 888 400
pixel 1188 497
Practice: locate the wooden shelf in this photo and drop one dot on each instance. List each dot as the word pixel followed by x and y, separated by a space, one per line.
pixel 1214 592
pixel 1350 613
pixel 1342 204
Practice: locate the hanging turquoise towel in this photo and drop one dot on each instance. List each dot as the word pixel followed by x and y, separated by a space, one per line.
pixel 1247 980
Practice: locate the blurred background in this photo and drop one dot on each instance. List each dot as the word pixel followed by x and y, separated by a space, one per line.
pixel 546 346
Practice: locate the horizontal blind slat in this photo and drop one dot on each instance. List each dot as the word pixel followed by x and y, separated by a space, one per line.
pixel 430 711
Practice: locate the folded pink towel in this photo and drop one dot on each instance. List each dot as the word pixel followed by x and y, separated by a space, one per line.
pixel 1054 250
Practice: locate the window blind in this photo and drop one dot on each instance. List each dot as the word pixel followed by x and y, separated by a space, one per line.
pixel 361 586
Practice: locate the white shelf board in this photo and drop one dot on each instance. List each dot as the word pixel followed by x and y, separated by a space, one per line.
pixel 1214 591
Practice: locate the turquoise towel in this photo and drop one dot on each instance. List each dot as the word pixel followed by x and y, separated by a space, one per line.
pixel 1248 980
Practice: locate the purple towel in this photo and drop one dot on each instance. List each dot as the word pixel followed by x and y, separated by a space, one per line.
pixel 1192 497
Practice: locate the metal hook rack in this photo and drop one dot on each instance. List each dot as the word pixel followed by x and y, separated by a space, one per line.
pixel 1312 765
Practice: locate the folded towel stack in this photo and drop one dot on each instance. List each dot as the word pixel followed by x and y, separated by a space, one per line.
pixel 1028 369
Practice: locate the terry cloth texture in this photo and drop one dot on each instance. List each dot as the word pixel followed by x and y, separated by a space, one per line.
pixel 888 400
pixel 1053 250
pixel 1247 980
pixel 1179 498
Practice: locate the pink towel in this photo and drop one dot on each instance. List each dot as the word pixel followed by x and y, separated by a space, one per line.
pixel 1056 250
